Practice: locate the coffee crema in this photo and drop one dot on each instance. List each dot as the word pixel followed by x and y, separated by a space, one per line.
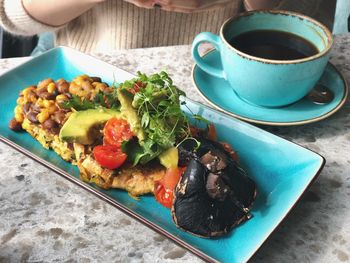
pixel 274 45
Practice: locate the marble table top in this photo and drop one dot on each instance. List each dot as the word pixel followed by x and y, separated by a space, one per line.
pixel 45 218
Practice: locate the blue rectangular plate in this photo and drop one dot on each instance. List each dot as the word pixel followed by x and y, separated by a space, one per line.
pixel 281 169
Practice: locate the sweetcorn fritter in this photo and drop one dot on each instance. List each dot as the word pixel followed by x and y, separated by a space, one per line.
pixel 43 109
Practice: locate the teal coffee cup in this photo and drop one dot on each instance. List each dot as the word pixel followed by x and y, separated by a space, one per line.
pixel 270 58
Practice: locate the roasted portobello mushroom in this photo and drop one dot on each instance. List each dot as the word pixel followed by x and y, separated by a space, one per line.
pixel 214 194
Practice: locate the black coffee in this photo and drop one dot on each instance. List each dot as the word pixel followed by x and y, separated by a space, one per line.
pixel 273 44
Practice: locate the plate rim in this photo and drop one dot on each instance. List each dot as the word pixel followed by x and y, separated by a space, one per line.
pixel 273 123
pixel 104 197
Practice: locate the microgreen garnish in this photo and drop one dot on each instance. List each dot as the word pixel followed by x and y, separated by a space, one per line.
pixel 158 106
pixel 77 103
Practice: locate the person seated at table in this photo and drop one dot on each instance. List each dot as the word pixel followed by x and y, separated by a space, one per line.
pixel 106 25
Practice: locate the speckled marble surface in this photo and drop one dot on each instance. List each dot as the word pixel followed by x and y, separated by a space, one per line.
pixel 44 218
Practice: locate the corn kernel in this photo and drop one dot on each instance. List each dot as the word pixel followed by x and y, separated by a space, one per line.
pixel 20 101
pixel 18 109
pixel 80 79
pixel 48 103
pixel 26 91
pixel 40 102
pixel 74 88
pixel 52 109
pixel 30 98
pixel 51 87
pixel 19 113
pixel 19 117
pixel 61 98
pixel 83 93
pixel 43 115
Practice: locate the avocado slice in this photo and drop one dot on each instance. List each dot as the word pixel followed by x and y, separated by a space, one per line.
pixel 79 126
pixel 169 158
pixel 129 113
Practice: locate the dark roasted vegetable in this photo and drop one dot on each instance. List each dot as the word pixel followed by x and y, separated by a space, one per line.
pixel 186 151
pixel 214 194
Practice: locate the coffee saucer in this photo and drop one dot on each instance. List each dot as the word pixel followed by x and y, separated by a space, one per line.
pixel 219 94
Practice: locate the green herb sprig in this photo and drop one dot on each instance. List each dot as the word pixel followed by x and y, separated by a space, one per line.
pixel 102 99
pixel 157 103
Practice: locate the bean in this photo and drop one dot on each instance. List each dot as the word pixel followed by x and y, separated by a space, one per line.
pixel 49 124
pixel 46 95
pixel 55 92
pixel 31 115
pixel 26 107
pixel 59 116
pixel 35 108
pixel 39 91
pixel 62 86
pixel 15 125
pixel 96 79
pixel 33 94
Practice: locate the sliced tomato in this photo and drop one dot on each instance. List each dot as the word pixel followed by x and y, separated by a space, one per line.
pixel 116 131
pixel 163 196
pixel 109 156
pixel 172 177
pixel 164 189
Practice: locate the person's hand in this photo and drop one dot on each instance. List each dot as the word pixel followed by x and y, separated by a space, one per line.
pixel 190 6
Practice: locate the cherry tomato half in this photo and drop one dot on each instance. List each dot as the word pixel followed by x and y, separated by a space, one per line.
pixel 109 156
pixel 164 189
pixel 116 131
pixel 172 177
pixel 136 88
pixel 163 196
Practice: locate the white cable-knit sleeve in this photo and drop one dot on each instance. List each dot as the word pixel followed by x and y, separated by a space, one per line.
pixel 15 19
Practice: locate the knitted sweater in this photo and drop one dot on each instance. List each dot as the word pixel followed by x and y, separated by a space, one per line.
pixel 116 24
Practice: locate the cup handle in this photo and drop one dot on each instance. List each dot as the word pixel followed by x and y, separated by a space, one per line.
pixel 216 42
